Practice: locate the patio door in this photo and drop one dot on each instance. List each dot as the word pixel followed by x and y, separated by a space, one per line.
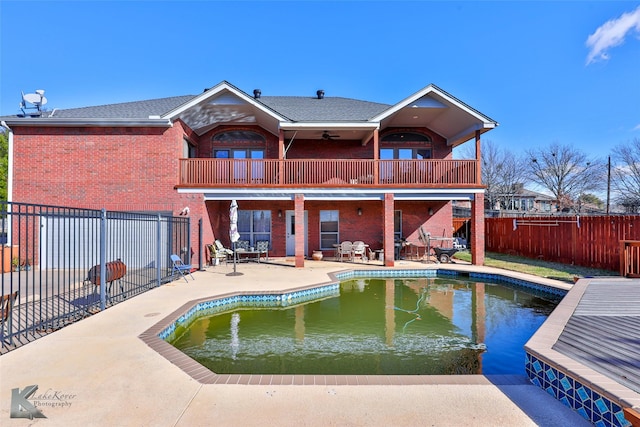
pixel 291 233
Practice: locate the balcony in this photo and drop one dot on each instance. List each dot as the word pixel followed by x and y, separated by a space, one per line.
pixel 332 173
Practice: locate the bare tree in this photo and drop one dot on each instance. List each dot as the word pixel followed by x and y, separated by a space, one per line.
pixel 625 175
pixel 566 172
pixel 502 174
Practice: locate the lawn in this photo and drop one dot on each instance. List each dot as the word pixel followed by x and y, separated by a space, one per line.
pixel 536 267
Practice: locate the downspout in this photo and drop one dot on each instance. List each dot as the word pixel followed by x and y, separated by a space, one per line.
pixel 9 174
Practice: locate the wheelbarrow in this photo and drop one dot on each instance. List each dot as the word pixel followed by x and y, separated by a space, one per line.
pixel 444 254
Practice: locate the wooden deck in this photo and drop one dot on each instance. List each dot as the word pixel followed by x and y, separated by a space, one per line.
pixel 603 332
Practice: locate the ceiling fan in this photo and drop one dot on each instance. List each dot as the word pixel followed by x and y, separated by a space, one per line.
pixel 326 135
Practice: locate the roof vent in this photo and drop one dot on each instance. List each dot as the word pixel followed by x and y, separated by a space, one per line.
pixel 320 93
pixel 257 93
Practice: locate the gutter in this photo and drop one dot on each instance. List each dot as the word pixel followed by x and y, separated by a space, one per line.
pixel 9 174
pixel 70 122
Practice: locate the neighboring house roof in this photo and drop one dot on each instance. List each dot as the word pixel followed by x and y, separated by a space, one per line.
pixel 304 117
pixel 532 194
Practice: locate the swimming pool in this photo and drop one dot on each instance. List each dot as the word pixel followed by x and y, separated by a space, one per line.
pixel 441 324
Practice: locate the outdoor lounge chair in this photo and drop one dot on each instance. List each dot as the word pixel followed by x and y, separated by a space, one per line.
pixel 6 307
pixel 220 248
pixel 218 253
pixel 180 267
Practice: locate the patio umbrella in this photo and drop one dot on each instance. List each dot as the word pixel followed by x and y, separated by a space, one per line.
pixel 233 232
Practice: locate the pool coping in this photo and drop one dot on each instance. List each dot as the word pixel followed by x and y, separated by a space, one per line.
pixel 152 336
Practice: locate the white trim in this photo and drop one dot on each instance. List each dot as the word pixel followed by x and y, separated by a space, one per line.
pixel 66 122
pixel 425 91
pixel 219 88
pixel 9 176
pixel 336 195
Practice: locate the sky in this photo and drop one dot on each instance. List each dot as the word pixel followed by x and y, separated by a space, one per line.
pixel 565 72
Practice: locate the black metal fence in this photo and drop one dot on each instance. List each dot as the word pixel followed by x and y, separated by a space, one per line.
pixel 56 260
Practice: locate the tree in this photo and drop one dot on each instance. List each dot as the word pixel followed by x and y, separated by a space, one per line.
pixel 502 174
pixel 625 175
pixel 4 164
pixel 566 173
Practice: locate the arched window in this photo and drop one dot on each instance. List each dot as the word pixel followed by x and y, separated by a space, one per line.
pixel 238 136
pixel 405 137
pixel 251 145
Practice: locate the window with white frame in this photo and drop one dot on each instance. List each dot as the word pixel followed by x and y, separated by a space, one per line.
pixel 254 226
pixel 329 225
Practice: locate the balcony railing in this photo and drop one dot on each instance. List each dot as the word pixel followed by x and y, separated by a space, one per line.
pixel 327 173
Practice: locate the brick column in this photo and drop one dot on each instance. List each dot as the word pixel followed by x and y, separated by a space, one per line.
pixel 387 238
pixel 300 237
pixel 477 229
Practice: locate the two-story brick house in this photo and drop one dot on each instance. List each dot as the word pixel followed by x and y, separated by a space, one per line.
pixel 307 171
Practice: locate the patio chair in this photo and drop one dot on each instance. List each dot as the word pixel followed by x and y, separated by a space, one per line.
pixel 242 245
pixel 345 250
pixel 180 267
pixel 359 250
pixel 220 248
pixel 262 246
pixel 216 254
pixel 6 309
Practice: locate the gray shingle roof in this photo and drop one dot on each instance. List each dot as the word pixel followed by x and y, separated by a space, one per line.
pixel 127 110
pixel 334 109
pixel 296 108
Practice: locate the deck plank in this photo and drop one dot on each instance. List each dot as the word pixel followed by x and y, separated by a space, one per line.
pixel 604 331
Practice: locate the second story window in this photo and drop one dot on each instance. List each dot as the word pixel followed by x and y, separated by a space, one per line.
pixel 405 146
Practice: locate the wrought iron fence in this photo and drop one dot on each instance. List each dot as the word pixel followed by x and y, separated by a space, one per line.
pixel 62 264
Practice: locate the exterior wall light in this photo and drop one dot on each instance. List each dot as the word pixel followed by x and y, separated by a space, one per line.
pixel 359 211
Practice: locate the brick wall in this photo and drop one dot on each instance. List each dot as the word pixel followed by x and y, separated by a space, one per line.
pixel 124 169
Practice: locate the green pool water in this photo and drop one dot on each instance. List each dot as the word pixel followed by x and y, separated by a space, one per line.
pixel 377 326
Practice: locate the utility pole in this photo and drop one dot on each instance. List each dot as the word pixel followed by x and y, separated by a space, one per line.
pixel 608 183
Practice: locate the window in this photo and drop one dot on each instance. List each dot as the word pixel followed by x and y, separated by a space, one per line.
pixel 238 135
pixel 244 171
pixel 238 154
pixel 405 137
pixel 397 225
pixel 405 153
pixel 254 226
pixel 329 229
pixel 414 146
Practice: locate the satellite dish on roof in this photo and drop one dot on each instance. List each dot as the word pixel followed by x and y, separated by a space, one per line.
pixel 36 99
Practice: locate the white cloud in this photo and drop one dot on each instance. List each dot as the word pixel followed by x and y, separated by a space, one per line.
pixel 612 33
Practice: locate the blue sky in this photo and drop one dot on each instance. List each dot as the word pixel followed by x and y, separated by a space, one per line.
pixel 557 71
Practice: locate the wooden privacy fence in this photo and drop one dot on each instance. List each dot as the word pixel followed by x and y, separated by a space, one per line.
pixel 590 241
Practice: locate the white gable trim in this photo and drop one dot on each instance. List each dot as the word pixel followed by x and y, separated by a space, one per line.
pixel 212 93
pixel 433 89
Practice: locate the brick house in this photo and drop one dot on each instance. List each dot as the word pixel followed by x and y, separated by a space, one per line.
pixel 307 171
